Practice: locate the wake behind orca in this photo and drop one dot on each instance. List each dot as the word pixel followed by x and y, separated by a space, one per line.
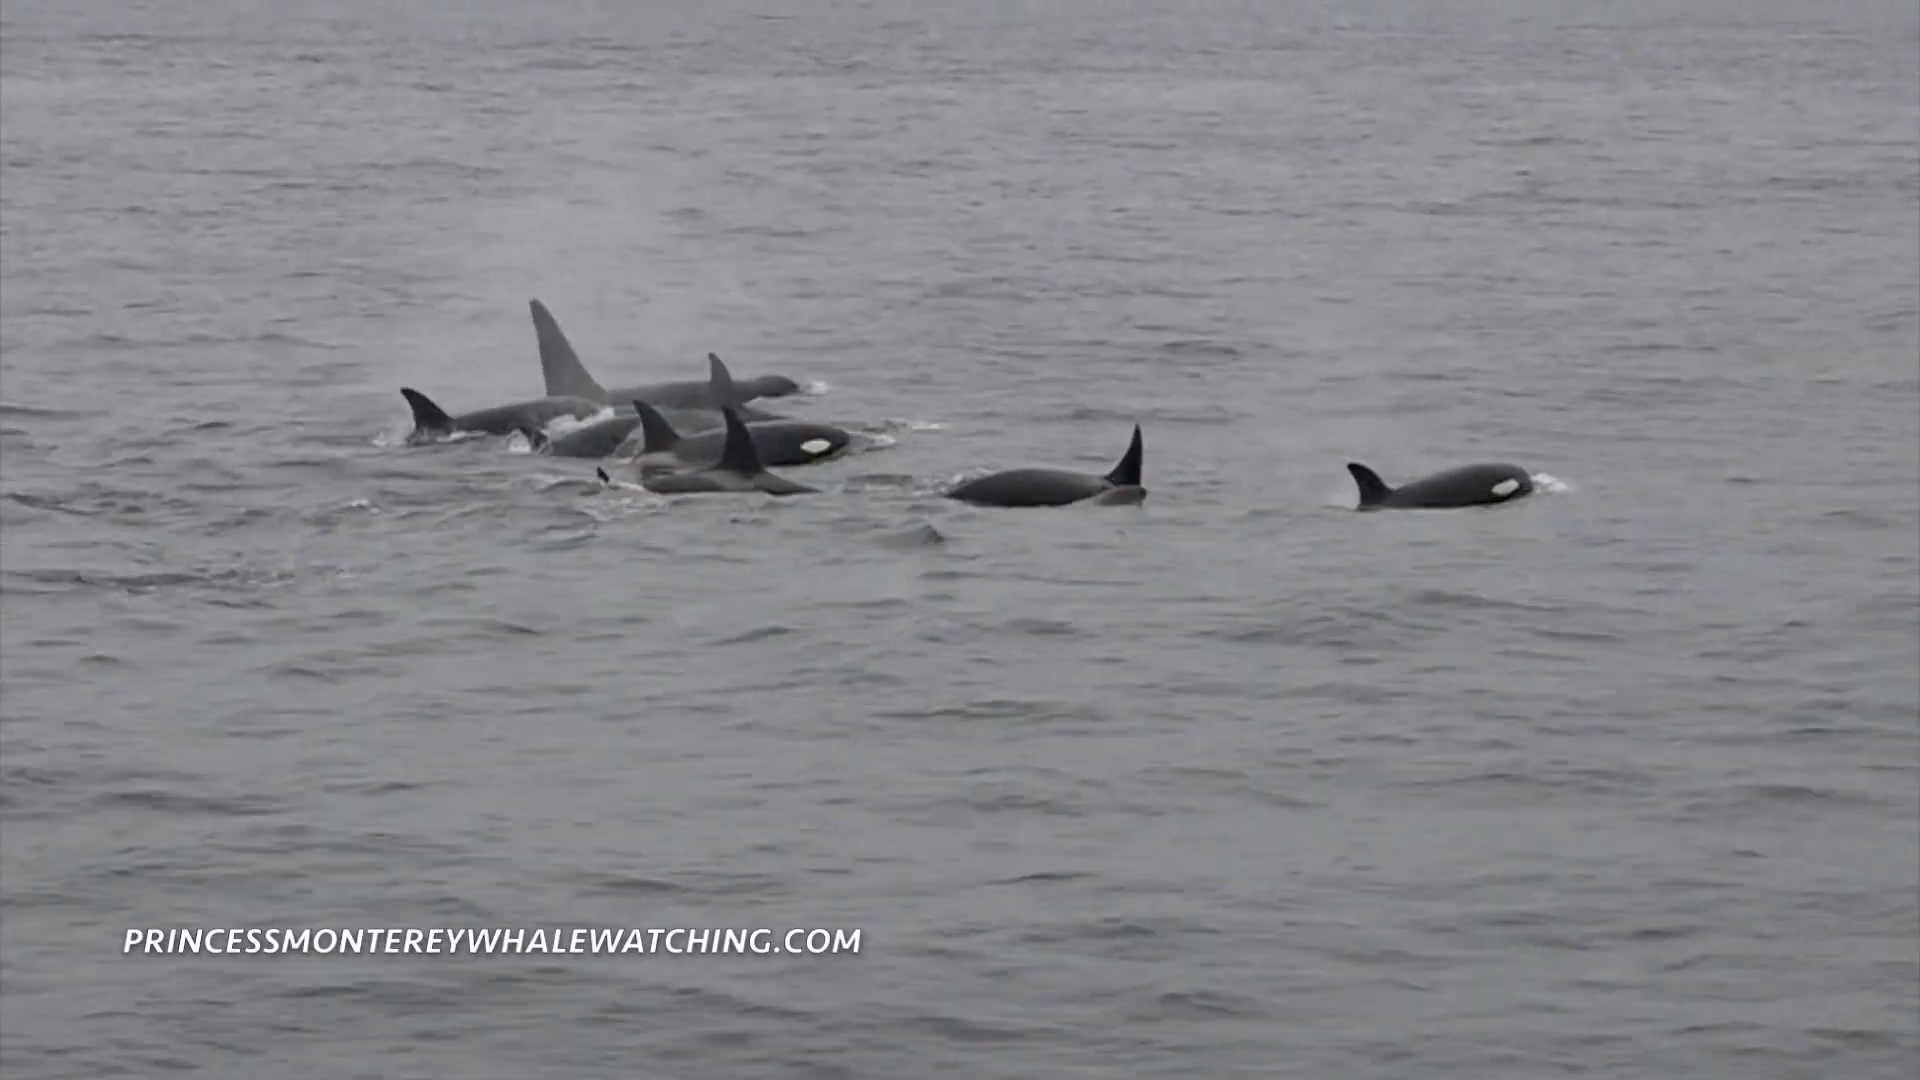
pixel 430 421
pixel 739 469
pixel 565 375
pixel 1058 487
pixel 1468 485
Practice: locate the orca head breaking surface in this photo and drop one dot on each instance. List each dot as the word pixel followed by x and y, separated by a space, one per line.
pixel 1484 484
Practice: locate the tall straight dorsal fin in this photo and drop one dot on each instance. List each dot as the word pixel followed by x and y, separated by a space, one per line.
pixel 720 382
pixel 426 415
pixel 1127 473
pixel 1373 490
pixel 740 455
pixel 565 375
pixel 656 433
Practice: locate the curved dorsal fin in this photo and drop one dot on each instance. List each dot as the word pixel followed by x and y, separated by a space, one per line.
pixel 426 415
pixel 560 366
pixel 720 382
pixel 740 455
pixel 1127 473
pixel 656 433
pixel 1373 490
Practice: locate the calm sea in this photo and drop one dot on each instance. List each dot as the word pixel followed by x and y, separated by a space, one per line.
pixel 1622 780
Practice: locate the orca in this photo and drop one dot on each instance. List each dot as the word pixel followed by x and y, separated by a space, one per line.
pixel 778 442
pixel 1056 487
pixel 1468 485
pixel 431 422
pixel 566 376
pixel 611 436
pixel 739 469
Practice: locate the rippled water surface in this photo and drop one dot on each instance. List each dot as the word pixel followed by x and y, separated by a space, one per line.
pixel 1620 780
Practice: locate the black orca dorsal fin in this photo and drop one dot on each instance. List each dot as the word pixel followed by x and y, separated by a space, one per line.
pixel 656 434
pixel 426 415
pixel 560 366
pixel 1373 490
pixel 740 455
pixel 720 382
pixel 1127 473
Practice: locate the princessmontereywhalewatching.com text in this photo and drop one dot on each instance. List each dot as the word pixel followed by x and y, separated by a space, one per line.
pixel 327 941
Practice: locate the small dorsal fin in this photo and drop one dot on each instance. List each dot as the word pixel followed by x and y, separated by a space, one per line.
pixel 656 433
pixel 1373 490
pixel 565 375
pixel 426 415
pixel 602 474
pixel 1127 473
pixel 720 382
pixel 740 455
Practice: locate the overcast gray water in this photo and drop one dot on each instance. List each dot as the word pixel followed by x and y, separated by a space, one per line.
pixel 1620 780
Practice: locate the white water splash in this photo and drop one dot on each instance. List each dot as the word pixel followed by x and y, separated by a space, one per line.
pixel 549 481
pixel 1546 482
pixel 560 425
pixel 815 387
pixel 622 500
pixel 398 437
pixel 622 484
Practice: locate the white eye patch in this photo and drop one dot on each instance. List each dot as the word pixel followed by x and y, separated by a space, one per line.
pixel 1506 487
pixel 816 446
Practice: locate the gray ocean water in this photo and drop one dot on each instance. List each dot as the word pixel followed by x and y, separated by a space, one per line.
pixel 1621 780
